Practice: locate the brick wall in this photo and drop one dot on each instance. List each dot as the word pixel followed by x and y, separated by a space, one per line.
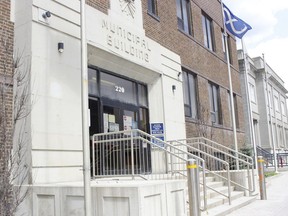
pixel 197 58
pixel 6 99
pixel 101 5
pixel 6 66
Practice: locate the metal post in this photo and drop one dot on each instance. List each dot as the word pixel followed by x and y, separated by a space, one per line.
pixel 84 110
pixel 193 187
pixel 262 183
pixel 231 90
pixel 250 114
pixel 249 178
pixel 132 155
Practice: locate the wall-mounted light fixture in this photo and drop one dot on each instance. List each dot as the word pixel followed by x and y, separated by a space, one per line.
pixel 60 47
pixel 46 14
pixel 173 88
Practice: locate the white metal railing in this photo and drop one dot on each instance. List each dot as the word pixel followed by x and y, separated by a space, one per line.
pixel 208 150
pixel 218 164
pixel 137 154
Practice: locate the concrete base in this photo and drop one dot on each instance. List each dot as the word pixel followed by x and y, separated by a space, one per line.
pixel 109 198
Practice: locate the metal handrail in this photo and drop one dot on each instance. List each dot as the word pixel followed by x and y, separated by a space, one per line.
pixel 103 140
pixel 268 157
pixel 226 164
pixel 249 163
pixel 219 146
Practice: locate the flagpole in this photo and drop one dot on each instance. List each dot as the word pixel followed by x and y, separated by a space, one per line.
pixel 250 113
pixel 84 110
pixel 270 117
pixel 231 88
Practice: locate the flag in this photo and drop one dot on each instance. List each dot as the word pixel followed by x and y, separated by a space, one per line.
pixel 235 25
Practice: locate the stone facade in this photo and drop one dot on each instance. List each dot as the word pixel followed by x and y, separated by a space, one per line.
pixel 264 111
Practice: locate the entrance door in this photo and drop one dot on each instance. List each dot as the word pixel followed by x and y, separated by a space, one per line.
pixel 118 104
pixel 94 116
pixel 119 116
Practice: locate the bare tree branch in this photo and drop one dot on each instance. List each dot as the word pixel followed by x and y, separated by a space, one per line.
pixel 15 107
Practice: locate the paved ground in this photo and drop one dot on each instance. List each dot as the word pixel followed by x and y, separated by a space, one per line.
pixel 276 203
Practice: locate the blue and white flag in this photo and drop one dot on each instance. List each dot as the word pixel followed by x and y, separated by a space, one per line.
pixel 235 25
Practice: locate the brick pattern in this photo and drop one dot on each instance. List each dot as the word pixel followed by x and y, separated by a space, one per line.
pixel 101 5
pixel 6 99
pixel 195 57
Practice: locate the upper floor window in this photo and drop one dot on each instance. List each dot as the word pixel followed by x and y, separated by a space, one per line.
pixel 235 109
pixel 252 92
pixel 214 98
pixel 152 7
pixel 208 32
pixel 283 110
pixel 229 47
pixel 270 100
pixel 190 94
pixel 276 103
pixel 184 16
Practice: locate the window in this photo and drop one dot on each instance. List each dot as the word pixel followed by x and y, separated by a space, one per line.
pixel 280 136
pixel 283 110
pixel 229 47
pixel 184 17
pixel 235 108
pixel 236 111
pixel 92 82
pixel 117 88
pixel 208 32
pixel 252 93
pixel 214 98
pixel 276 103
pixel 229 107
pixel 190 94
pixel 256 132
pixel 270 100
pixel 275 135
pixel 152 7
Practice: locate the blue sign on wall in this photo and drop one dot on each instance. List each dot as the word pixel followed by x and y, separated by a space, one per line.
pixel 157 128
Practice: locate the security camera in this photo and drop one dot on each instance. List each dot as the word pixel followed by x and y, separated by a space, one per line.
pixel 46 15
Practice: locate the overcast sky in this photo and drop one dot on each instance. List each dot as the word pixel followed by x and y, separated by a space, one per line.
pixel 269 34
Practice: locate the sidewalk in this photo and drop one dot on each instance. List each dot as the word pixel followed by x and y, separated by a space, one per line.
pixel 277 199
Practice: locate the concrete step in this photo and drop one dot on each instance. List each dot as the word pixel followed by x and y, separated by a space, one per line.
pixel 227 209
pixel 213 184
pixel 208 179
pixel 212 193
pixel 220 200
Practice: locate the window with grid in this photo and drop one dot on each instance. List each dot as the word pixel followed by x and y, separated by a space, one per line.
pixel 190 94
pixel 214 98
pixel 207 26
pixel 184 16
pixel 152 7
